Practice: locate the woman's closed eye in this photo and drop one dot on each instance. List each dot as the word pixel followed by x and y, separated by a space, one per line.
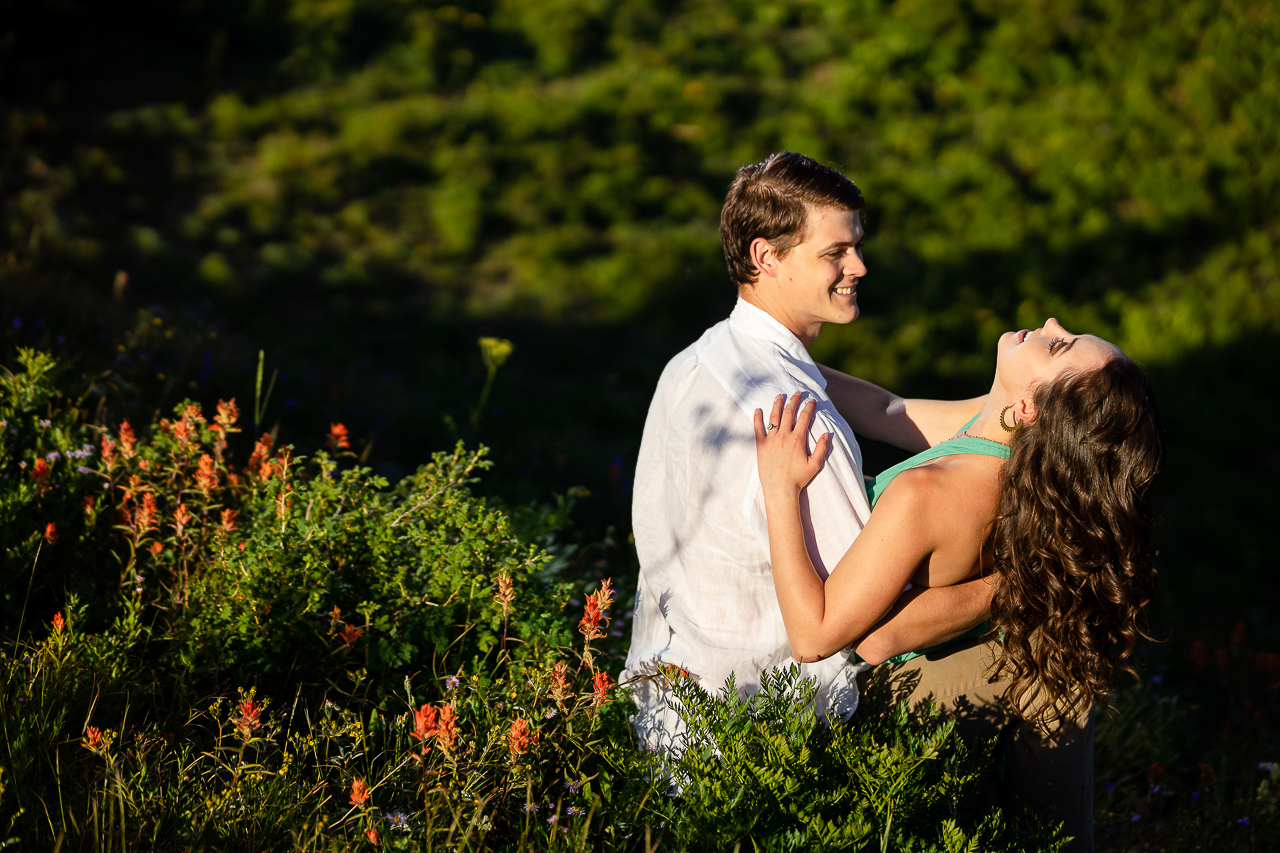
pixel 1053 344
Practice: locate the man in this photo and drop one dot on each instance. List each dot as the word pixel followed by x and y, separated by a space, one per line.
pixel 705 602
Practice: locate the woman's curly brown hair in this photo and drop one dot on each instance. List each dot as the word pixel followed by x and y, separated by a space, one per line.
pixel 1070 540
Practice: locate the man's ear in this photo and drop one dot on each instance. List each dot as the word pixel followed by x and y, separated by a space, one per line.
pixel 764 256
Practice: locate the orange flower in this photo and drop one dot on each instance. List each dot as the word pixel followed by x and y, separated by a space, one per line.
pixel 521 737
pixel 350 634
pixel 58 623
pixel 424 723
pixel 601 687
pixel 594 619
pixel 156 548
pixel 337 438
pixel 40 473
pixel 92 739
pixel 447 728
pixel 335 617
pixel 206 475
pixel 51 533
pixel 144 518
pixel 229 520
pixel 560 681
pixel 359 793
pixel 226 417
pixel 108 451
pixel 192 415
pixel 127 440
pixel 180 518
pixel 372 834
pixel 506 593
pixel 261 451
pixel 90 502
pixel 183 432
pixel 250 717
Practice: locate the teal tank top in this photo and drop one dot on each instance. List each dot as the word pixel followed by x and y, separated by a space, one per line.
pixel 950 447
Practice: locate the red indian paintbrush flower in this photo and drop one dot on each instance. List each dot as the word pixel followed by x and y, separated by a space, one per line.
pixel 337 438
pixel 127 440
pixel 350 634
pixel 40 473
pixel 250 718
pixel 447 728
pixel 51 533
pixel 108 452
pixel 229 520
pixel 226 417
pixel 600 688
pixel 560 681
pixel 372 834
pixel 521 737
pixel 261 451
pixel 359 793
pixel 180 518
pixel 424 723
pixel 92 739
pixel 144 519
pixel 206 475
pixel 90 502
pixel 58 623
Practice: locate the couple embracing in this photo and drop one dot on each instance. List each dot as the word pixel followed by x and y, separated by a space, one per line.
pixel 1003 567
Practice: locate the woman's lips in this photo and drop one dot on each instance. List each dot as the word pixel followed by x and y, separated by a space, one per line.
pixel 1022 335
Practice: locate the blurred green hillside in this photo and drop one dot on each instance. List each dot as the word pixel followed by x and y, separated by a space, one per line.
pixel 361 186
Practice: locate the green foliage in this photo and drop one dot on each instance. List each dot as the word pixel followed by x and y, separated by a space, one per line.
pixel 768 772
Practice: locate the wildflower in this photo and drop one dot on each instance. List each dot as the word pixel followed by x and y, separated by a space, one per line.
pixel 1244 821
pixel 337 438
pixel 180 518
pixel 506 593
pixel 1135 818
pixel 521 737
pixel 108 451
pixel 144 518
pixel 574 811
pixel 51 533
pixel 372 834
pixel 424 723
pixel 594 618
pixel 350 634
pixel 573 786
pixel 397 820
pixel 92 739
pixel 1267 766
pixel 229 520
pixel 40 473
pixel 58 623
pixel 250 717
pixel 447 729
pixel 81 469
pixel 600 688
pixel 532 808
pixel 156 548
pixel 53 455
pixel 560 681
pixel 206 475
pixel 451 683
pixel 551 819
pixel 44 424
pixel 359 793
pixel 335 617
pixel 1195 796
pixel 1109 786
pixel 261 451
pixel 551 712
pixel 226 418
pixel 184 433
pixel 127 440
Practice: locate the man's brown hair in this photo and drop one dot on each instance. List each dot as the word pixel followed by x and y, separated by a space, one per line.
pixel 771 200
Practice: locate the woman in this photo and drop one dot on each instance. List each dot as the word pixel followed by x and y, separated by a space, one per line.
pixel 1042 486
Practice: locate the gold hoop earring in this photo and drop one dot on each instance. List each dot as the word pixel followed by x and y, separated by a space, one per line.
pixel 1017 425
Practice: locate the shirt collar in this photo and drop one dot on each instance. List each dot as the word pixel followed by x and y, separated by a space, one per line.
pixel 757 323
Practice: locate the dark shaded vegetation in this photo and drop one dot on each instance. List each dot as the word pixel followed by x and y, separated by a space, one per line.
pixel 360 189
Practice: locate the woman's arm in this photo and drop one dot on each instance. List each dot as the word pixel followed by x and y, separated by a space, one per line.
pixel 823 619
pixel 924 617
pixel 912 424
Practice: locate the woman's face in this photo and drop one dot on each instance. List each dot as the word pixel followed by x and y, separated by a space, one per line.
pixel 1026 358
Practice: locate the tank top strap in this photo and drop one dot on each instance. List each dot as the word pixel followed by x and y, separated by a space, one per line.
pixel 950 447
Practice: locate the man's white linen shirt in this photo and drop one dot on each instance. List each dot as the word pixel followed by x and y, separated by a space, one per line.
pixel 705 600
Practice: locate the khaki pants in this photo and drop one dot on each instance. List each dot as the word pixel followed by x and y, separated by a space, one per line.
pixel 1051 778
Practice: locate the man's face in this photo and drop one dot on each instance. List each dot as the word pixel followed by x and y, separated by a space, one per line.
pixel 819 277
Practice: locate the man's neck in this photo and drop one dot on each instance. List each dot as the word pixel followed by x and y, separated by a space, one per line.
pixel 777 309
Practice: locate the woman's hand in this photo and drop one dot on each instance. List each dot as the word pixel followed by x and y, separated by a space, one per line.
pixel 782 452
